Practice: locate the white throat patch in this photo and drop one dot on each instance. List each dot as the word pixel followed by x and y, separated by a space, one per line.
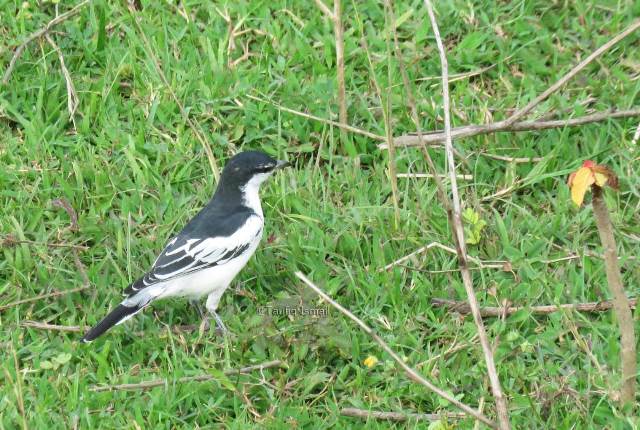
pixel 250 192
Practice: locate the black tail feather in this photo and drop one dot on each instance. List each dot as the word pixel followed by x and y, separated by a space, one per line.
pixel 116 316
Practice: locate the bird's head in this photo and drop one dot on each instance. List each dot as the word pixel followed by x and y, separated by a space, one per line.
pixel 248 169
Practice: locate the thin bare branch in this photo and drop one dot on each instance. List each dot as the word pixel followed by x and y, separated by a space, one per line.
pixel 145 385
pixel 9 240
pixel 517 160
pixel 42 297
pixel 39 33
pixel 477 261
pixel 53 327
pixel 411 373
pixel 346 127
pixel 621 304
pixel 453 348
pixel 498 311
pixel 499 127
pixel 574 71
pixel 397 416
pixel 73 215
pixel 429 175
pixel 196 130
pixel 324 8
pixel 458 232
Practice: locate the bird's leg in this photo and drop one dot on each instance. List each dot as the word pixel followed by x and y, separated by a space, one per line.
pixel 197 305
pixel 212 305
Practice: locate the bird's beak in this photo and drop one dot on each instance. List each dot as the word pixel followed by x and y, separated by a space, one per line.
pixel 281 164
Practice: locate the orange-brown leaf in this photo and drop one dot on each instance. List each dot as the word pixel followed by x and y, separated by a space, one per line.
pixel 611 178
pixel 601 179
pixel 580 182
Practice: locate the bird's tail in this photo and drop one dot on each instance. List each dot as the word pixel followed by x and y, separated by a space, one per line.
pixel 120 314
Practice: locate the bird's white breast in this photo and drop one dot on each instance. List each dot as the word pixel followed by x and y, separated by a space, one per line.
pixel 251 193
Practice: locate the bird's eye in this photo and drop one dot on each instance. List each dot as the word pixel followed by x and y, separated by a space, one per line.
pixel 264 168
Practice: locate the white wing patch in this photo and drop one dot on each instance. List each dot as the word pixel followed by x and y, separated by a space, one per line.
pixel 185 256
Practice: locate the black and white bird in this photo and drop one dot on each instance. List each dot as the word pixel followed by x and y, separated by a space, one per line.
pixel 210 250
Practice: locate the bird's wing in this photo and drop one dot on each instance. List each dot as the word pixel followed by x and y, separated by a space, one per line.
pixel 184 255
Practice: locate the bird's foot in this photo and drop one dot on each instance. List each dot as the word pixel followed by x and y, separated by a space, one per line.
pixel 221 328
pixel 205 325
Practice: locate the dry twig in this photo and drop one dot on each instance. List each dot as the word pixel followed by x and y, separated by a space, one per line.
pixel 33 36
pixel 42 297
pixel 346 127
pixel 72 96
pixel 73 215
pixel 458 232
pixel 477 261
pixel 411 373
pixel 516 160
pixel 429 175
pixel 397 416
pixel 498 311
pixel 53 327
pixel 145 385
pixel 9 240
pixel 497 127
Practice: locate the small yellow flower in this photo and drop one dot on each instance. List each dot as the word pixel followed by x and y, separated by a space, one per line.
pixel 370 361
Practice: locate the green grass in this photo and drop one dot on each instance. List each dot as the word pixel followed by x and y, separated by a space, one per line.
pixel 134 172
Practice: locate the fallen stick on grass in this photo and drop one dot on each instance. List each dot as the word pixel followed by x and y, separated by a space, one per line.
pixel 42 296
pixel 498 311
pixel 53 327
pixel 198 378
pixel 397 416
pixel 500 127
pixel 10 240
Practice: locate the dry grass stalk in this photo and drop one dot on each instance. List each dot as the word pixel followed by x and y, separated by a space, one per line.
pixel 42 297
pixel 72 96
pixel 458 232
